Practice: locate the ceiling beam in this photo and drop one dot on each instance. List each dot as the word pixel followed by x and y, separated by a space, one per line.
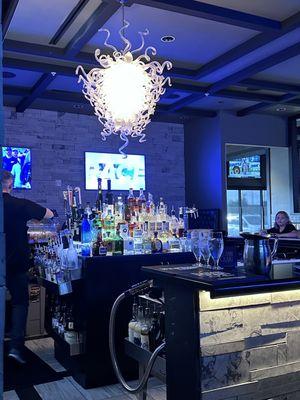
pixel 71 97
pixel 269 85
pixel 253 69
pixel 36 91
pixel 261 106
pixel 226 93
pixel 37 66
pixel 189 87
pixel 215 13
pixel 99 17
pixel 247 47
pixel 68 21
pixel 85 33
pixel 8 10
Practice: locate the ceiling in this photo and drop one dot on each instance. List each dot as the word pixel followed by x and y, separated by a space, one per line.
pixel 237 55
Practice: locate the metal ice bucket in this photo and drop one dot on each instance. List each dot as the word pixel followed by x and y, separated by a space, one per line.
pixel 257 253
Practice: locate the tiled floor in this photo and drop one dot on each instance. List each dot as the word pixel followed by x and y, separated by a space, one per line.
pixel 68 389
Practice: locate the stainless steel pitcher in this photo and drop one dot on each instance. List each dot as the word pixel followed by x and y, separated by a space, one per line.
pixel 257 253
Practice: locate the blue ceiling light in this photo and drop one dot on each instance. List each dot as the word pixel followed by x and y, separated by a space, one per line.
pixel 281 109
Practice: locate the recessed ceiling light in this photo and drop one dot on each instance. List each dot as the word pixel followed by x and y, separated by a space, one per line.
pixel 8 75
pixel 167 38
pixel 281 109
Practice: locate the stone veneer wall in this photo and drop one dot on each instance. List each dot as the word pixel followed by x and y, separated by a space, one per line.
pixel 250 346
pixel 59 140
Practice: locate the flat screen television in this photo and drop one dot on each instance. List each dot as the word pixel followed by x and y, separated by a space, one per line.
pixel 17 160
pixel 247 172
pixel 124 173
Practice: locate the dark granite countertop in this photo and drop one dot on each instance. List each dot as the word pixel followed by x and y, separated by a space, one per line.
pixel 227 282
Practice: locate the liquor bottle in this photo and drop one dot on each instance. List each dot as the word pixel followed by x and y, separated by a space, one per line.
pixel 146 239
pixel 119 210
pixel 162 210
pixel 88 210
pixel 164 237
pixel 154 332
pixel 138 326
pixel 69 320
pixel 55 316
pixel 99 200
pixel 128 243
pixel 109 221
pixel 109 195
pixel 117 244
pixel 131 200
pixel 156 244
pixel 145 328
pixel 138 240
pixel 132 322
pixel 181 222
pixel 96 245
pixel 150 206
pixel 141 200
pixel 173 221
pixel 108 243
pixel 175 244
pixel 72 256
pixel 85 237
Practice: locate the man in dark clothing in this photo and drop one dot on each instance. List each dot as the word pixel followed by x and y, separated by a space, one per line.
pixel 17 212
pixel 9 160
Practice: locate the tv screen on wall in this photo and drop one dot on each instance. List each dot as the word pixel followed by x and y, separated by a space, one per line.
pixel 17 160
pixel 247 172
pixel 246 167
pixel 124 173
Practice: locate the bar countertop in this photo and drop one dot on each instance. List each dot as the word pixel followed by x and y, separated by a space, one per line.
pixel 227 282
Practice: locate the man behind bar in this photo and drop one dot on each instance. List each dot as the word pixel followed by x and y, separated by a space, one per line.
pixel 17 212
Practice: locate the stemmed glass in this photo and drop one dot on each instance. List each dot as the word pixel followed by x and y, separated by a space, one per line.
pixel 196 249
pixel 216 246
pixel 205 250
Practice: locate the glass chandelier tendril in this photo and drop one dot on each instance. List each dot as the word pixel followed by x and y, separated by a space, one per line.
pixel 124 91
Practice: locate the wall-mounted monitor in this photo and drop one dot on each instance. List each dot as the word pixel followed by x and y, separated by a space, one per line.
pixel 124 173
pixel 17 160
pixel 247 172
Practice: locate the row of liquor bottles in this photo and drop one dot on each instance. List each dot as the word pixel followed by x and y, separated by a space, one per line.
pixel 147 325
pixel 63 322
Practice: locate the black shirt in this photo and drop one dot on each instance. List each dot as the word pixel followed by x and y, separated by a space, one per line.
pixel 17 212
pixel 288 228
pixel 8 163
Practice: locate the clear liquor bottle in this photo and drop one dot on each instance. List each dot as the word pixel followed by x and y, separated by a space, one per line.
pixel 132 322
pixel 146 239
pixel 138 240
pixel 138 326
pixel 145 329
pixel 141 201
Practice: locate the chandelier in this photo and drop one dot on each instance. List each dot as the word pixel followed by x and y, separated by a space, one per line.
pixel 124 91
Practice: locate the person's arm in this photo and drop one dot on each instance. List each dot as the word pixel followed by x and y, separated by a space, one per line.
pixel 294 234
pixel 48 214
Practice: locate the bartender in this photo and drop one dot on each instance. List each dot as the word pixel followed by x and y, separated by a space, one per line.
pixel 283 226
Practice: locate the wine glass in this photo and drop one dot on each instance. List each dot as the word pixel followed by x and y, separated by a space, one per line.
pixel 205 250
pixel 216 246
pixel 196 249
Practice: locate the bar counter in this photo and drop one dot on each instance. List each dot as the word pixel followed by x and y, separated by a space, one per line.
pixel 231 335
pixel 103 280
